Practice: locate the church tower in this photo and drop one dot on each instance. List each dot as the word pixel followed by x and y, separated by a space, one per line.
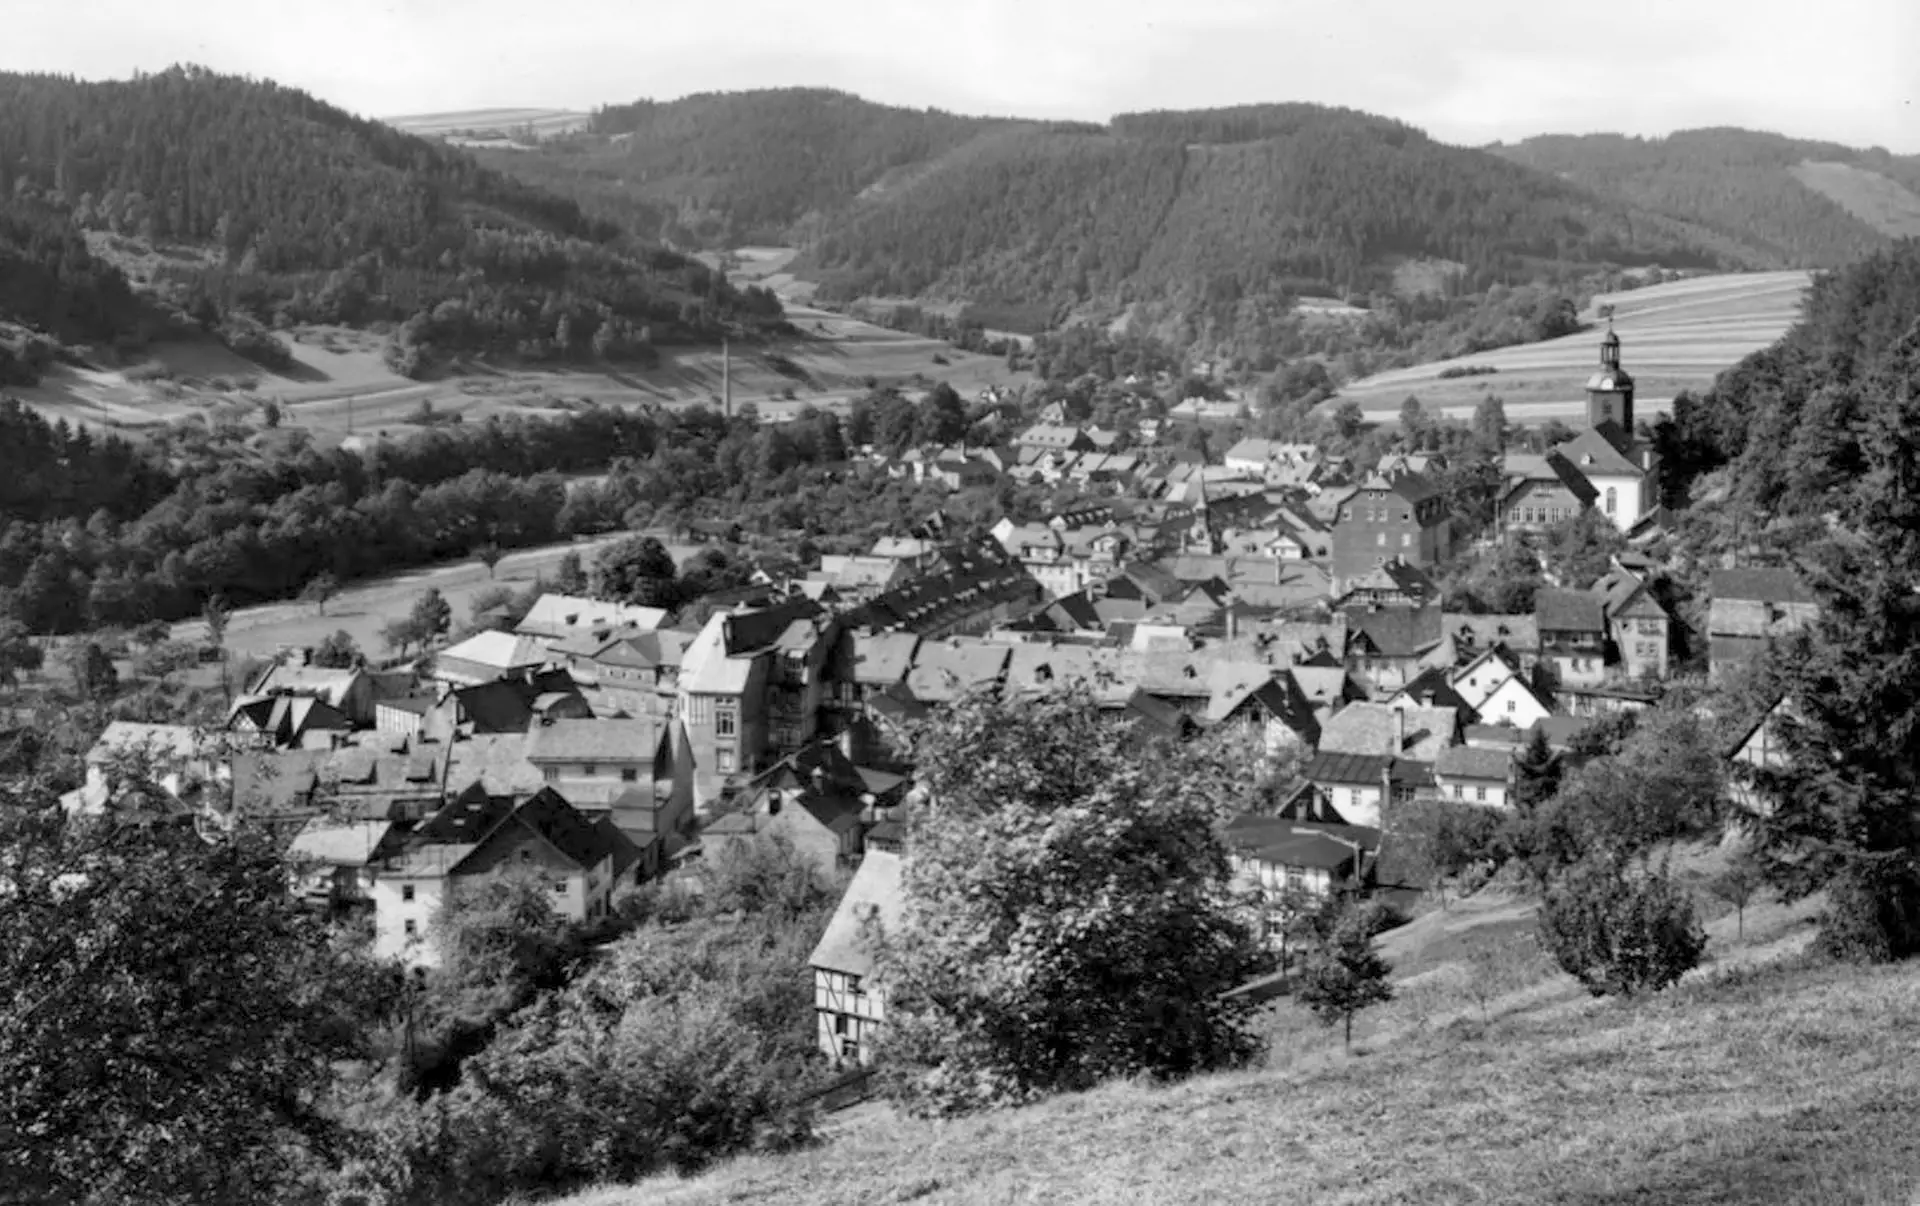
pixel 1610 391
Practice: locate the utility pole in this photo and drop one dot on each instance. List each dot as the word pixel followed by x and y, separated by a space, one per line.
pixel 726 378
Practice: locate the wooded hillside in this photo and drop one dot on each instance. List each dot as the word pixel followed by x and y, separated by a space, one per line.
pixel 1743 184
pixel 310 214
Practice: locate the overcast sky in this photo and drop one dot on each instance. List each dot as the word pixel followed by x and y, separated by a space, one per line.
pixel 1469 71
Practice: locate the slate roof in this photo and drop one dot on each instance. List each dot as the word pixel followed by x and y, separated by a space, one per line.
pixel 1568 611
pixel 1599 452
pixel 1519 633
pixel 495 761
pixel 1326 767
pixel 877 893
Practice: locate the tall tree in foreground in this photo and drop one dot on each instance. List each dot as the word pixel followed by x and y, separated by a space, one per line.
pixel 169 1019
pixel 1068 913
pixel 1843 813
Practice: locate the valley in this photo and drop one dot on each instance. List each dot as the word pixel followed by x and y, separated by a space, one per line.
pixel 1674 336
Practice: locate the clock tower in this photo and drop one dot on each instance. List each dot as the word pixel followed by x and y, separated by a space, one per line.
pixel 1610 391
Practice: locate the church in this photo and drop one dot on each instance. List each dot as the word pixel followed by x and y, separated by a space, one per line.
pixel 1606 466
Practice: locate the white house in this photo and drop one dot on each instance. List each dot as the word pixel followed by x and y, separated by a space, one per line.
pixel 848 1007
pixel 1498 692
pixel 558 617
pixel 1470 775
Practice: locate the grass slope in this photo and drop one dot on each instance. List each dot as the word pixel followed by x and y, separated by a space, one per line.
pixel 1674 336
pixel 1886 205
pixel 1759 1080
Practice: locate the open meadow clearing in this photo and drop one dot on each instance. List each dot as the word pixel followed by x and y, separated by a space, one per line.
pixel 1764 1077
pixel 1674 336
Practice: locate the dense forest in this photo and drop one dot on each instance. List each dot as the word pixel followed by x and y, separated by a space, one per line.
pixel 313 215
pixel 1743 184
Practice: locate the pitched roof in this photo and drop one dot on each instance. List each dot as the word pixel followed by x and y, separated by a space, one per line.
pixel 945 670
pixel 548 814
pixel 1471 633
pixel 501 651
pixel 1369 728
pixel 495 761
pixel 1778 586
pixel 1395 631
pixel 873 658
pixel 1469 762
pixel 1568 611
pixel 877 895
pixel 1332 767
pixel 560 616
pixel 1595 454
pixel 340 843
pixel 122 737
pixel 706 669
pixel 329 684
pixel 598 740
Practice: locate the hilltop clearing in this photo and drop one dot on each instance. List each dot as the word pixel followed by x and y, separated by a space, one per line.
pixel 1674 336
pixel 1760 1079
pixel 489 127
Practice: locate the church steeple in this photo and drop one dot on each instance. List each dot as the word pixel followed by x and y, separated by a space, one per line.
pixel 1610 391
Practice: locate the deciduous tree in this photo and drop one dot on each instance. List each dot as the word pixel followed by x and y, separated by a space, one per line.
pixel 1345 974
pixel 1619 930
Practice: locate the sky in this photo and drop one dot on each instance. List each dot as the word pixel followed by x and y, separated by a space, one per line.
pixel 1467 71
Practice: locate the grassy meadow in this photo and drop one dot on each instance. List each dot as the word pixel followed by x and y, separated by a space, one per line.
pixel 1765 1077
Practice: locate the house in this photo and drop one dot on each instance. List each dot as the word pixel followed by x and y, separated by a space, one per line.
pixel 849 1007
pixel 1388 646
pixel 1469 636
pixel 556 617
pixel 1759 749
pixel 1465 774
pixel 1538 492
pixel 1573 636
pixel 1295 863
pixel 487 656
pixel 504 705
pixel 1638 626
pixel 858 578
pixel 1392 584
pixel 592 761
pixel 1497 691
pixel 750 688
pixel 1051 437
pixel 288 721
pixel 816 800
pixel 1750 608
pixel 1373 754
pixel 628 670
pixel 404 715
pixel 944 671
pixel 972 589
pixel 1266 700
pixel 1387 517
pixel 333 862
pixel 348 691
pixel 477 835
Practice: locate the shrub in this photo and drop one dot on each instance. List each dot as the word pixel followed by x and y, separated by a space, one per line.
pixel 1619 932
pixel 1873 911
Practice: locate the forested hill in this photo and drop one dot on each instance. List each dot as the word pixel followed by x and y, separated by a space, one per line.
pixel 310 214
pixel 1213 209
pixel 1808 204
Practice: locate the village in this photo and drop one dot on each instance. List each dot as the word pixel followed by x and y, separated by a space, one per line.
pixel 602 746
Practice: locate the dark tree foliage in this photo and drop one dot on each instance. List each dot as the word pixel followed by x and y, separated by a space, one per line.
pixel 316 215
pixel 1744 185
pixel 1619 931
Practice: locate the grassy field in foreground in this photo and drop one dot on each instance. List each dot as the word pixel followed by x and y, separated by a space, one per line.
pixel 1674 336
pixel 1766 1077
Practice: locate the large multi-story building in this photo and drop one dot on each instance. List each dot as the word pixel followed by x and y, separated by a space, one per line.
pixel 1387 518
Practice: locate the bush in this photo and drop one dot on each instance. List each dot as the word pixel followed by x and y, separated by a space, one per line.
pixel 1619 932
pixel 1873 911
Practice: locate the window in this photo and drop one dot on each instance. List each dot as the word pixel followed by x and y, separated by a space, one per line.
pixel 406 891
pixel 1513 705
pixel 1611 496
pixel 588 770
pixel 840 1024
pixel 1406 539
pixel 1383 538
pixel 726 721
pixel 629 774
pixel 551 774
pixel 1480 794
pixel 526 856
pixel 1295 880
pixel 412 927
pixel 723 759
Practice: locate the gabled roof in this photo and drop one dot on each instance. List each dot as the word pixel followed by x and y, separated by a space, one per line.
pixel 123 737
pixel 1469 762
pixel 548 814
pixel 1472 633
pixel 945 670
pixel 1568 611
pixel 329 684
pixel 1394 631
pixel 1598 452
pixel 873 659
pixel 466 818
pixel 1414 487
pixel 598 740
pixel 495 761
pixel 1369 728
pixel 1333 767
pixel 507 705
pixel 875 896
pixel 1432 687
pixel 341 843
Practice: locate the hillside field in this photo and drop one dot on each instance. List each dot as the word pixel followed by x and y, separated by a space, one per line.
pixel 341 385
pixel 1765 1077
pixel 545 123
pixel 1673 336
